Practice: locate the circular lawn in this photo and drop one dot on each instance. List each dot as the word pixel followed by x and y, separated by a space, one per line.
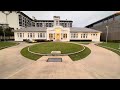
pixel 46 48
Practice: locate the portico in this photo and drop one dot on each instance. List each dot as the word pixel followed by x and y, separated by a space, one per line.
pixel 58 33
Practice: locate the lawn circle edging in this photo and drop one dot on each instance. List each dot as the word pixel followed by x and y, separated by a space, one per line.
pixel 58 54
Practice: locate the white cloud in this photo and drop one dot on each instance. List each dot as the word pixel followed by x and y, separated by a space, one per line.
pixel 79 18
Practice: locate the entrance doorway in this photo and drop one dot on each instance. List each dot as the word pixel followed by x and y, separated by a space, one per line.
pixel 57 37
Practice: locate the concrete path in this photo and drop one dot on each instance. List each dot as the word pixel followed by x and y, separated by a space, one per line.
pixel 11 60
pixel 100 64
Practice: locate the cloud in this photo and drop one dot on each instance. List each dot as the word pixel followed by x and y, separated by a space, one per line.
pixel 79 18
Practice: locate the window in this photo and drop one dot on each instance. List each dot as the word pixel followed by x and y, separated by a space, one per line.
pixel 37 25
pixel 30 34
pixel 65 25
pixel 70 24
pixel 74 35
pixel 56 22
pixel 23 34
pixel 47 25
pixel 33 24
pixel 84 35
pixel 64 35
pixel 40 24
pixel 50 36
pixel 20 34
pixel 50 24
pixel 33 34
pixel 41 35
pixel 81 35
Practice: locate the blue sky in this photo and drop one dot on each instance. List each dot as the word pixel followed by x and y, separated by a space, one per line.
pixel 79 18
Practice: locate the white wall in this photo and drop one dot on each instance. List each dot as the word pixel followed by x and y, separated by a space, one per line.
pixel 26 36
pixel 89 37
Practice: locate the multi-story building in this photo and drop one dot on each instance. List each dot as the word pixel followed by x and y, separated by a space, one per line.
pixel 18 20
pixel 110 24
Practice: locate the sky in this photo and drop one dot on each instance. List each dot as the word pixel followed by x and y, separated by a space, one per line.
pixel 79 18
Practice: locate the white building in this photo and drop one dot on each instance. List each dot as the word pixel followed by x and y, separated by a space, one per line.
pixel 57 33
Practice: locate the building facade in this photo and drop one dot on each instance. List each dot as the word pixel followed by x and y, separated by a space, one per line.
pixel 57 32
pixel 18 20
pixel 113 24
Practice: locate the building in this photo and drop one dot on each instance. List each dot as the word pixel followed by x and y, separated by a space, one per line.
pixel 113 24
pixel 57 32
pixel 18 20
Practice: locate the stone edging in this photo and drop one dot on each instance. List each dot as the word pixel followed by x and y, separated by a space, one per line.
pixel 108 47
pixel 8 46
pixel 58 54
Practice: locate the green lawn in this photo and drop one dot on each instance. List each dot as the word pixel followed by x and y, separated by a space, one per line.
pixel 54 46
pixel 111 45
pixel 46 48
pixel 29 55
pixel 80 55
pixel 6 44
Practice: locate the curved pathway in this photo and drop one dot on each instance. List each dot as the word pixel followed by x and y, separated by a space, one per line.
pixel 100 64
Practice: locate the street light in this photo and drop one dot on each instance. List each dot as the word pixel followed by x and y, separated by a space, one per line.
pixel 6 13
pixel 107 34
pixel 4 26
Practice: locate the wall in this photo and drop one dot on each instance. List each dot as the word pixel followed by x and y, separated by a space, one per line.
pixel 26 36
pixel 113 29
pixel 89 37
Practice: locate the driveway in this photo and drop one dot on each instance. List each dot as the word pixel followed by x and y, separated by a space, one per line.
pixel 12 61
pixel 100 64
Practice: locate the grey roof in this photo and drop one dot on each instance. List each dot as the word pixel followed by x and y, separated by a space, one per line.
pixel 32 29
pixel 78 29
pixel 43 29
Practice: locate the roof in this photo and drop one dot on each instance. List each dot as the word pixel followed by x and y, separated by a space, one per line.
pixel 32 29
pixel 53 20
pixel 115 14
pixel 43 29
pixel 78 29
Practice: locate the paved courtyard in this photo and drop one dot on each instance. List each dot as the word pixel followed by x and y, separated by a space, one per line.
pixel 100 64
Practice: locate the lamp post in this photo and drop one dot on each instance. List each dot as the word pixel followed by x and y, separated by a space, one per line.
pixel 4 26
pixel 107 34
pixel 6 13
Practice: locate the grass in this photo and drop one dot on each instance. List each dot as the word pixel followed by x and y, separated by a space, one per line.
pixel 29 55
pixel 46 48
pixel 80 55
pixel 111 45
pixel 6 44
